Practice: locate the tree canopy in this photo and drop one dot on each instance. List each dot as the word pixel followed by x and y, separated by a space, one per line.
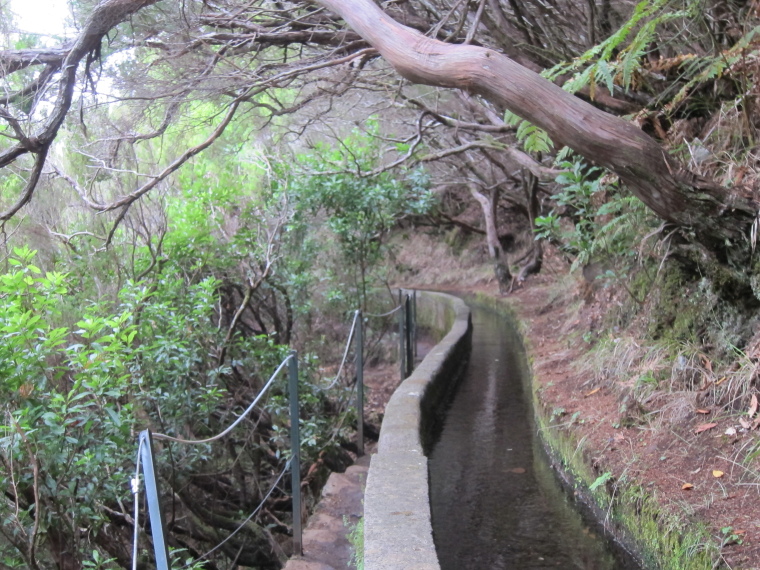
pixel 269 60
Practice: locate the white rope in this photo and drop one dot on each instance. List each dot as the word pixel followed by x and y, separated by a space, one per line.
pixel 237 421
pixel 253 514
pixel 345 352
pixel 389 313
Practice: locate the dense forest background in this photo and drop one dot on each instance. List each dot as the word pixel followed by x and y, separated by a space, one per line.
pixel 190 189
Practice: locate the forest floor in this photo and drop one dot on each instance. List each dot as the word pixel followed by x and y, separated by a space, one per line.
pixel 685 454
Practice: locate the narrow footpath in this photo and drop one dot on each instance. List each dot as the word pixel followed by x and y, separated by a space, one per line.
pixel 325 538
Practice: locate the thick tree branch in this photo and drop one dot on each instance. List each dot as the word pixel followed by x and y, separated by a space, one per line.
pixel 31 184
pixel 716 215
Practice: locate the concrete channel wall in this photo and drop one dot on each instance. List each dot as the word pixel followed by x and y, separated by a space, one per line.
pixel 397 528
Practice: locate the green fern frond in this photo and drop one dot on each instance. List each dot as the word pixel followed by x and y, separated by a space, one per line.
pixel 511 119
pixel 533 138
pixel 605 72
pixel 639 31
pixel 711 67
pixel 579 80
pixel 639 46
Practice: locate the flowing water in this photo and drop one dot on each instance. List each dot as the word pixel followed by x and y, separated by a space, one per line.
pixel 495 501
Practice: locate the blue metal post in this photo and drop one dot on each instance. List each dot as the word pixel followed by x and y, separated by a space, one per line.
pixel 295 462
pixel 154 502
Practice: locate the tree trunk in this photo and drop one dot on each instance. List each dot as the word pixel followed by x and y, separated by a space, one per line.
pixel 718 217
pixel 488 203
pixel 536 260
pixel 495 251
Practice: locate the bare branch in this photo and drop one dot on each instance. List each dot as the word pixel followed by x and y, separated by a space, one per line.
pixel 28 192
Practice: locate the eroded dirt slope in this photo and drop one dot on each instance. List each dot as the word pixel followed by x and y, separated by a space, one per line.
pixel 687 453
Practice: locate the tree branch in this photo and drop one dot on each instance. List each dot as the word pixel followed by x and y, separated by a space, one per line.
pixel 716 215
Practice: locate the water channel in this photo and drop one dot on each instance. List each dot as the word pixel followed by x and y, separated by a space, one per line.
pixel 495 501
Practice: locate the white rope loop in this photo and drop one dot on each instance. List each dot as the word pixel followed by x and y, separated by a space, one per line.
pixel 388 314
pixel 237 421
pixel 345 352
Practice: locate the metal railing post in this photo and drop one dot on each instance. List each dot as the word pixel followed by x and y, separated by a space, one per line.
pixel 401 349
pixel 360 383
pixel 414 321
pixel 295 461
pixel 154 501
pixel 409 331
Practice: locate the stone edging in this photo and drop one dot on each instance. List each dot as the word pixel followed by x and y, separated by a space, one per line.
pixel 397 528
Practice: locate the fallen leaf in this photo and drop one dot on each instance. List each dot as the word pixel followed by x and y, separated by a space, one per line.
pixel 730 431
pixel 703 411
pixel 704 427
pixel 594 391
pixel 745 424
pixel 756 423
pixel 706 363
pixel 753 406
pixel 686 486
pixel 717 473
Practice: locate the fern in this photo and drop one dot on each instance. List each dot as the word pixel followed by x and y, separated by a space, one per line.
pixel 597 64
pixel 604 72
pixel 711 67
pixel 534 139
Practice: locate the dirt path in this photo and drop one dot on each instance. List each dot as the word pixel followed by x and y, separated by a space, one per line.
pixel 325 539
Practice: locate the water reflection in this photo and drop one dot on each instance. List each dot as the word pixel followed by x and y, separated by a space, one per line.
pixel 495 503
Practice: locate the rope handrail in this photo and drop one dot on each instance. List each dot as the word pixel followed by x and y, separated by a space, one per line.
pixel 345 352
pixel 253 514
pixel 153 497
pixel 388 314
pixel 237 421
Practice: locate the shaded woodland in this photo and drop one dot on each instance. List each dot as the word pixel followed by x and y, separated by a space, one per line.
pixel 189 189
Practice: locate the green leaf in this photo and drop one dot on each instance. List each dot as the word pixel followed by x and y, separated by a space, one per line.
pixel 114 416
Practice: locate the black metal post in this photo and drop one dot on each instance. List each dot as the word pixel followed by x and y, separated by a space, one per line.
pixel 295 461
pixel 414 321
pixel 401 349
pixel 409 331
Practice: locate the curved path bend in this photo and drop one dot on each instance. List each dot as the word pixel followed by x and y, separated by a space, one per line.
pixel 495 502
